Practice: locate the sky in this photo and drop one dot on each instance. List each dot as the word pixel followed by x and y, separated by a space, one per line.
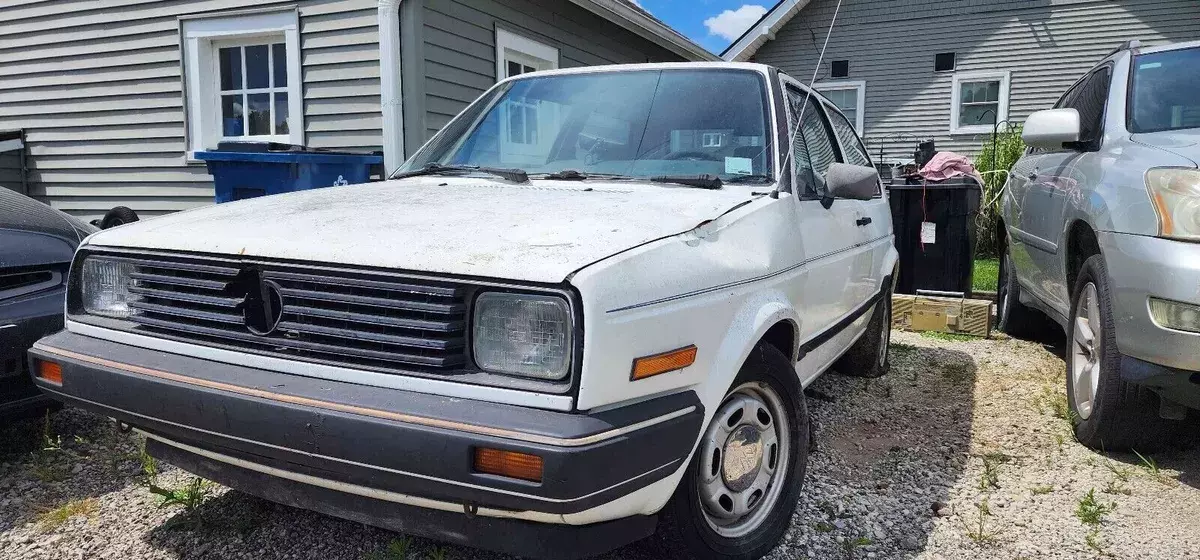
pixel 714 24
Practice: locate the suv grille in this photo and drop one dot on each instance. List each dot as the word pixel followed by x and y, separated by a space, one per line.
pixel 341 317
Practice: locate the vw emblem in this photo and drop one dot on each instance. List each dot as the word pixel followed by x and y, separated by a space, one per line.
pixel 263 307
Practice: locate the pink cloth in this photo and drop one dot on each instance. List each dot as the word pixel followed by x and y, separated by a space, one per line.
pixel 948 165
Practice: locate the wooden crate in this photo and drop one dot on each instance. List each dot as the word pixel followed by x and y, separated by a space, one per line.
pixel 951 315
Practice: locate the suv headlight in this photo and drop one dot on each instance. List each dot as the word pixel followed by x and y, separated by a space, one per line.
pixel 519 334
pixel 104 287
pixel 1175 193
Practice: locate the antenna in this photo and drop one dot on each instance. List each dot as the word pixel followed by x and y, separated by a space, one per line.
pixel 808 94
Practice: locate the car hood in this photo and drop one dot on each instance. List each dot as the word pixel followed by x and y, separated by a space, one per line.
pixel 539 232
pixel 34 234
pixel 1183 143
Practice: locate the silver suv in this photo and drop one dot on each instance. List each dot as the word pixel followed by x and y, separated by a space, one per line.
pixel 1101 223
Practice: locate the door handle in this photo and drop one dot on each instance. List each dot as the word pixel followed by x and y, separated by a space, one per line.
pixel 862 221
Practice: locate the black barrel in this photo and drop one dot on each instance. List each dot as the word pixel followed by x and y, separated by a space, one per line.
pixel 952 206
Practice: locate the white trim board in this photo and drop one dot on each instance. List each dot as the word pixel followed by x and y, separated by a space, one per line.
pixel 507 41
pixel 201 37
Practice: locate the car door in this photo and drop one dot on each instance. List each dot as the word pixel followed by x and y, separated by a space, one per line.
pixel 873 216
pixel 1060 176
pixel 826 232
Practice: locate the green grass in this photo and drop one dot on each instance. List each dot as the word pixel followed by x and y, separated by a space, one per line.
pixel 987 274
pixel 948 337
pixel 54 518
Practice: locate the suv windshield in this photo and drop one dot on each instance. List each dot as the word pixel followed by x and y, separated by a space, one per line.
pixel 637 123
pixel 1163 90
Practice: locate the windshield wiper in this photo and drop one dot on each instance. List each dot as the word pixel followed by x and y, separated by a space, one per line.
pixel 705 181
pixel 576 175
pixel 514 175
pixel 756 178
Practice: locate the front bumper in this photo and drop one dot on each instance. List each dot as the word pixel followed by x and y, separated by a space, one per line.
pixel 1140 267
pixel 407 449
pixel 22 323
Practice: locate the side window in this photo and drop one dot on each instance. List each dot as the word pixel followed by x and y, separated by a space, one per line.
pixel 853 150
pixel 1089 99
pixel 813 149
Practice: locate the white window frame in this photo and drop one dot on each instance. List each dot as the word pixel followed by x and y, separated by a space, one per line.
pixel 956 97
pixel 202 37
pixel 860 85
pixel 711 140
pixel 522 49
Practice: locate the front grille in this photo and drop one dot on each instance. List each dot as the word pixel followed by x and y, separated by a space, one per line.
pixel 342 317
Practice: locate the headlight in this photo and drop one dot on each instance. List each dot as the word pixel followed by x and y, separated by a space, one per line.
pixel 1176 197
pixel 523 335
pixel 104 287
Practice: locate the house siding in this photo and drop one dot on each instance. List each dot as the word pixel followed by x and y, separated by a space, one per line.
pixel 98 89
pixel 459 44
pixel 1046 45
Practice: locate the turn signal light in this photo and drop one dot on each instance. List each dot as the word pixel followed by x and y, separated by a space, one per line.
pixel 508 463
pixel 662 363
pixel 50 371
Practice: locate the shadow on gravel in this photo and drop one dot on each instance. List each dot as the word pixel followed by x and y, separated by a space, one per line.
pixel 66 455
pixel 888 452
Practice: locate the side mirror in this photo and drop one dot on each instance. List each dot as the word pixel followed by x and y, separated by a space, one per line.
pixel 857 182
pixel 1052 128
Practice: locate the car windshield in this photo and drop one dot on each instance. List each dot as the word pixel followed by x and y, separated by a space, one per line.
pixel 635 123
pixel 1163 91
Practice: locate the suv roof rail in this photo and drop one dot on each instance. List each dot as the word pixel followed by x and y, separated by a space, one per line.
pixel 1130 44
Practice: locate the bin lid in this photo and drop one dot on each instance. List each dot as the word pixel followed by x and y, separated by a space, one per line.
pixel 961 182
pixel 261 152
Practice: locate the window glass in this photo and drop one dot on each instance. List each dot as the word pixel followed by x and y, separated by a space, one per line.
pixel 1163 90
pixel 978 102
pixel 279 62
pixel 855 153
pixel 846 100
pixel 260 107
pixel 1089 99
pixel 640 123
pixel 813 151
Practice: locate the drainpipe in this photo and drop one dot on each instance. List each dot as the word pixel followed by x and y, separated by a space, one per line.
pixel 390 92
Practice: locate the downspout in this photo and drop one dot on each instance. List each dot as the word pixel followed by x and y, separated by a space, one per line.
pixel 390 90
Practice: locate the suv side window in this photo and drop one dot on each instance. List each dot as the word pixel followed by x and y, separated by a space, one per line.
pixel 813 150
pixel 1089 97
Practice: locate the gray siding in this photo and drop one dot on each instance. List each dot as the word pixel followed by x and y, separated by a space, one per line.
pixel 10 171
pixel 97 86
pixel 459 47
pixel 1045 44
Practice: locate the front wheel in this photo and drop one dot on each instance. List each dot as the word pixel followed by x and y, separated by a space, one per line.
pixel 1109 413
pixel 738 494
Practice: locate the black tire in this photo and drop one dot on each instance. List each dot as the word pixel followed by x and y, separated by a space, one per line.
pixel 1124 416
pixel 871 356
pixel 119 215
pixel 683 528
pixel 1012 317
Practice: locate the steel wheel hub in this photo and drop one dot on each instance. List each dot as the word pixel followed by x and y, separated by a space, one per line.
pixel 1085 351
pixel 743 458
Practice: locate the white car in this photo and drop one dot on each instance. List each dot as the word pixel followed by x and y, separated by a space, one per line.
pixel 585 310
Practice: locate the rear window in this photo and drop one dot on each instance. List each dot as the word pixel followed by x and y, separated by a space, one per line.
pixel 1162 91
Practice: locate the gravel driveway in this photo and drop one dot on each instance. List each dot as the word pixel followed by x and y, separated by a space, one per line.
pixel 961 452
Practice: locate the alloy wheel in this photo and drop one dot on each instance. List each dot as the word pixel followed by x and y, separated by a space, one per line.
pixel 1085 351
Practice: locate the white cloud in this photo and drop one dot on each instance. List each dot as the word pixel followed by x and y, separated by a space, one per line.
pixel 730 24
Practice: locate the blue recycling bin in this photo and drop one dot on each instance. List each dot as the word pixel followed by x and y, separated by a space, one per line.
pixel 244 170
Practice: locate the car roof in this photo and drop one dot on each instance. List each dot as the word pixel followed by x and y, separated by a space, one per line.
pixel 1164 48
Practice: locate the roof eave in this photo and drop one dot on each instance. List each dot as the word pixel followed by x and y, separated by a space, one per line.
pixel 763 30
pixel 649 28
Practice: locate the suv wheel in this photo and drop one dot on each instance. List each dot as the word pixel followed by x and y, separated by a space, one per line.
pixel 1108 413
pixel 1012 317
pixel 737 497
